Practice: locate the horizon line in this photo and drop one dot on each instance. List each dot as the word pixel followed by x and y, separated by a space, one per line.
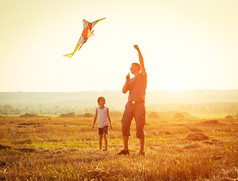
pixel 205 89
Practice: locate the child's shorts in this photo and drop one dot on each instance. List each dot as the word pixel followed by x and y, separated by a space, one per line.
pixel 103 130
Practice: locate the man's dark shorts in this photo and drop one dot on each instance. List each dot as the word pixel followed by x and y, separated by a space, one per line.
pixel 103 130
pixel 138 112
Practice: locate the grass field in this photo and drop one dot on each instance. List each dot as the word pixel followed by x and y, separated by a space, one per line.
pixel 49 148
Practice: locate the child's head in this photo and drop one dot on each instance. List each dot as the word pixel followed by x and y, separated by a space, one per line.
pixel 101 101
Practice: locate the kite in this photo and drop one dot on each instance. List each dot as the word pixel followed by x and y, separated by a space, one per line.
pixel 87 33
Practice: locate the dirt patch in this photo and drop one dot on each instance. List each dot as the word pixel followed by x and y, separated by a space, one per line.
pixel 26 149
pixel 21 149
pixel 168 133
pixel 191 146
pixel 28 124
pixel 197 137
pixel 4 147
pixel 208 142
pixel 2 163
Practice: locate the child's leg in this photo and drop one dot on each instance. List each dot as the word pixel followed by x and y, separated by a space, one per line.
pixel 105 139
pixel 100 141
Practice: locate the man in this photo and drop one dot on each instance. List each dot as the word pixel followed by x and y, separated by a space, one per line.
pixel 135 107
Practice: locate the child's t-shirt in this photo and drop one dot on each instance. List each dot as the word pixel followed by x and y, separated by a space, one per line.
pixel 102 117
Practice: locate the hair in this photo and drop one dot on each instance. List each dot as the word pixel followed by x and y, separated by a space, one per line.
pixel 136 64
pixel 100 98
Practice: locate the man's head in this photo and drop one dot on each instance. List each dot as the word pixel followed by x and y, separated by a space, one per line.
pixel 135 68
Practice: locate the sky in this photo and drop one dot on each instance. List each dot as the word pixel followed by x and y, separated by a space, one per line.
pixel 186 44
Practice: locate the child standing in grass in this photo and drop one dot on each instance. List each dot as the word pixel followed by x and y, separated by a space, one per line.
pixel 102 113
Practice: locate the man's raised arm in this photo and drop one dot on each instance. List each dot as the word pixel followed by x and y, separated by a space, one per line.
pixel 141 60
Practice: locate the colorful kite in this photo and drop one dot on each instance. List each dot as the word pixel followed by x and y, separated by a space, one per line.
pixel 87 32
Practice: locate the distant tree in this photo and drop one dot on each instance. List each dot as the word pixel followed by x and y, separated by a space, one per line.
pixel 17 111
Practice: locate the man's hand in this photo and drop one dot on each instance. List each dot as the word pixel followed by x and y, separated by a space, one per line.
pixel 128 77
pixel 125 87
pixel 136 47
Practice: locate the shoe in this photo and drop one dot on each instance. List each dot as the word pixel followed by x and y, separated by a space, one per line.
pixel 141 153
pixel 123 152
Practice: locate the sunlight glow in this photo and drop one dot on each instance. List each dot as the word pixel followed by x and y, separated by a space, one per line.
pixel 185 44
pixel 175 79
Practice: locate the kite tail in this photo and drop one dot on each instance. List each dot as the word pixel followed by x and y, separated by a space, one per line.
pixel 69 55
pixel 75 50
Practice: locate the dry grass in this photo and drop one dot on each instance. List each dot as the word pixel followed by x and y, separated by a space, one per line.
pixel 67 149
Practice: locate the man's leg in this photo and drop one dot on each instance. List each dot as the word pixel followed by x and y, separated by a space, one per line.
pixel 126 123
pixel 142 145
pixel 140 123
pixel 125 151
pixel 126 140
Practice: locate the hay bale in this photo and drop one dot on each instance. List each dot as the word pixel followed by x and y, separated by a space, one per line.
pixel 236 116
pixel 88 115
pixel 197 137
pixel 195 130
pixel 179 116
pixel 68 115
pixel 229 118
pixel 154 115
pixel 210 122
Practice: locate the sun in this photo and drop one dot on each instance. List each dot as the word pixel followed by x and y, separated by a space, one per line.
pixel 175 79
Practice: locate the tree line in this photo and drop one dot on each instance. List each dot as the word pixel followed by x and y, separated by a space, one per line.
pixel 47 109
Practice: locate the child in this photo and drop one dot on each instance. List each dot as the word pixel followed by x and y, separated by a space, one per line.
pixel 102 113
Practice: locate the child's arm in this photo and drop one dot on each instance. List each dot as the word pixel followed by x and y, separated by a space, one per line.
pixel 109 118
pixel 95 118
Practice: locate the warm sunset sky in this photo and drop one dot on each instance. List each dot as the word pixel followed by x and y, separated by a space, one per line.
pixel 186 44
